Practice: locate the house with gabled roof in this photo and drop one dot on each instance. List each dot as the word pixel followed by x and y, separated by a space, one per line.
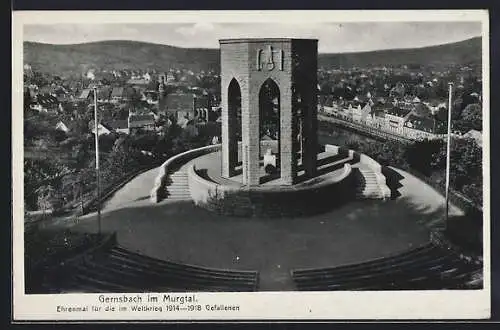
pixel 120 94
pixel 141 121
pixel 61 126
pixel 361 112
pixel 117 94
pixel 102 128
pixel 86 94
pixel 119 125
pixel 45 103
pixel 104 94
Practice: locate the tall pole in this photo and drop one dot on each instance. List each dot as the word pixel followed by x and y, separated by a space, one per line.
pixel 81 197
pixel 448 149
pixel 96 127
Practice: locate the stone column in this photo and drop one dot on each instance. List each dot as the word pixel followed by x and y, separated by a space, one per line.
pixel 227 140
pixel 250 131
pixel 288 171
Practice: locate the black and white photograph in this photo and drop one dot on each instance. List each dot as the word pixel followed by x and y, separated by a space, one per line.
pixel 201 165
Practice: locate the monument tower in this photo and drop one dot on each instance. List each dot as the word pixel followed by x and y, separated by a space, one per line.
pixel 269 92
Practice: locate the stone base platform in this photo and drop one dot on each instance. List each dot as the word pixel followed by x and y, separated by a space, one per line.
pixel 333 185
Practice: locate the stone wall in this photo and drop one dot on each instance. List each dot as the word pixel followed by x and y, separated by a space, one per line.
pixel 172 164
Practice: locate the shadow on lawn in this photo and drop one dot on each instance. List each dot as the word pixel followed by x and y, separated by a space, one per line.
pixel 398 211
pixel 430 216
pixel 393 181
pixel 181 232
pixel 141 198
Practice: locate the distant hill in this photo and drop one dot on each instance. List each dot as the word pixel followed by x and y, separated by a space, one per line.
pixel 116 55
pixel 78 58
pixel 462 52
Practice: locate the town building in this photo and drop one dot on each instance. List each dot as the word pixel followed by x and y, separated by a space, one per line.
pixel 138 121
pixel 86 95
pixel 45 103
pixel 395 119
pixel 119 125
pixel 122 94
pixel 104 94
pixel 185 105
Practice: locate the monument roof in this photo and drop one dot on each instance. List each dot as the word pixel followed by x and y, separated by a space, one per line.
pixel 245 40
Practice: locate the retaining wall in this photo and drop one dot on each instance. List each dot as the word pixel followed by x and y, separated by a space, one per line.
pixel 271 201
pixel 173 163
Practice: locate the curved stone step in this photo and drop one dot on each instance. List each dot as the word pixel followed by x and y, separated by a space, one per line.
pixel 369 187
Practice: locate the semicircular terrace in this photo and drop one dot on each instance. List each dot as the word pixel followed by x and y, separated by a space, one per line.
pixel 177 230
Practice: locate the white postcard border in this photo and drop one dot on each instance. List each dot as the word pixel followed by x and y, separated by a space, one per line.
pixel 443 304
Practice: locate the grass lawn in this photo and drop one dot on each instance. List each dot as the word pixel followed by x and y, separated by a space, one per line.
pixel 180 231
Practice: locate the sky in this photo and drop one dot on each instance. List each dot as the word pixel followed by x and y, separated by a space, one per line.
pixel 333 37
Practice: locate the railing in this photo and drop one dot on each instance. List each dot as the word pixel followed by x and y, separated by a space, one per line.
pixel 455 196
pixel 377 132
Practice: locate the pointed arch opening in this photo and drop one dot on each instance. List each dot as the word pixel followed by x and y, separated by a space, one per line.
pixel 269 129
pixel 234 112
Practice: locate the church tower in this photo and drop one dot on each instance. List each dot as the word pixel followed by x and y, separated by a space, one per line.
pixel 161 94
pixel 161 86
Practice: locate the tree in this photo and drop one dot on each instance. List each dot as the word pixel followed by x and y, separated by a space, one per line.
pixel 27 100
pixel 45 194
pixel 122 143
pixel 472 115
pixel 49 198
pixel 466 163
pixel 474 191
pixel 80 154
pixel 80 127
pixel 425 156
pixel 456 109
pixel 442 114
pixel 465 166
pixel 153 85
pixel 106 142
pixel 39 79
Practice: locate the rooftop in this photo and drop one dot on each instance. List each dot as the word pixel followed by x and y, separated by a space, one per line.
pixel 397 111
pixel 247 40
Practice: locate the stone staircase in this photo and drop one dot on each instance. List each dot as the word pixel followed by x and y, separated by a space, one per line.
pixel 122 270
pixel 428 267
pixel 368 187
pixel 177 186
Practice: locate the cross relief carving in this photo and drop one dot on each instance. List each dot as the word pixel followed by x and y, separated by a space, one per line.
pixel 266 58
